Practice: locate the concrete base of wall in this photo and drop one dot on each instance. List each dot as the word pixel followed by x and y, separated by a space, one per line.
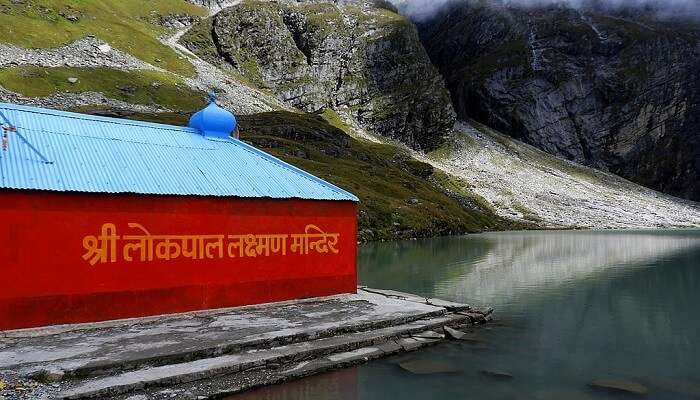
pixel 219 352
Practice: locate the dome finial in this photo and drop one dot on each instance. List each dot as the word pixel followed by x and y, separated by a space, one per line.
pixel 214 121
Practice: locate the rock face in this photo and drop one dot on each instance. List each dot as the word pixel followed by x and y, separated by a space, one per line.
pixel 616 92
pixel 365 61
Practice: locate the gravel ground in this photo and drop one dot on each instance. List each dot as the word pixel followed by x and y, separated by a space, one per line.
pixel 524 183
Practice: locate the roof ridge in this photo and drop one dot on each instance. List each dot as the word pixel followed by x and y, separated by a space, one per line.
pixel 115 139
pixel 271 158
pixel 91 117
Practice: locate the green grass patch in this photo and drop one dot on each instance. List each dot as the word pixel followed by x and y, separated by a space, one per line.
pixel 462 190
pixel 324 19
pixel 444 151
pixel 168 118
pixel 129 25
pixel 137 87
pixel 198 39
pixel 335 120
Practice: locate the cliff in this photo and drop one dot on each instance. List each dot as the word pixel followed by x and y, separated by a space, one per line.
pixel 617 92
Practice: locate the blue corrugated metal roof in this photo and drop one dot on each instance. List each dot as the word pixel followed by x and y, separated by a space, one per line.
pixel 109 155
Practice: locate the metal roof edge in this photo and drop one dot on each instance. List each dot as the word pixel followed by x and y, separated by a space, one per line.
pixel 270 157
pixel 157 194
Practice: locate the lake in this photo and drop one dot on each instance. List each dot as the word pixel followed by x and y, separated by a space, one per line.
pixel 571 307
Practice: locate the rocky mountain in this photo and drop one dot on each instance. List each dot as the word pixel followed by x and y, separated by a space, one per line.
pixel 364 61
pixel 618 91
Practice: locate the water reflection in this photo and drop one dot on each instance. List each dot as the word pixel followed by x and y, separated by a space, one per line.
pixel 578 306
pixel 495 268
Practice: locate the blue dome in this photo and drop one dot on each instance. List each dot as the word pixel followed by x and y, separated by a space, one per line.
pixel 213 120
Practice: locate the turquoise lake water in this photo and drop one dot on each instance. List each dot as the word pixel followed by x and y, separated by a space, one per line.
pixel 571 306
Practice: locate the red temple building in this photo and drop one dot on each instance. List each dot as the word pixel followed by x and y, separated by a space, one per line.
pixel 105 218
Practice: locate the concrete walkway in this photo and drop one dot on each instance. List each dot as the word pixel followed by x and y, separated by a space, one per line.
pixel 228 350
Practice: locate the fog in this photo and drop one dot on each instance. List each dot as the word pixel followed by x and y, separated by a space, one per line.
pixel 422 9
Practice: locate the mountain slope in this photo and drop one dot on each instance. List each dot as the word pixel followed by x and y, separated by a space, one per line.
pixel 616 92
pixel 131 26
pixel 525 183
pixel 367 62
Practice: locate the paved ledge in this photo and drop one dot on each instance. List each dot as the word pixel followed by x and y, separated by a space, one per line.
pixel 217 352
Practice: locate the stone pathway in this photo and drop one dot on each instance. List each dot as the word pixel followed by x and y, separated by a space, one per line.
pixel 221 351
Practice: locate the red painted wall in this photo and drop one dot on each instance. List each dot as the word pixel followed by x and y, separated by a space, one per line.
pixel 46 275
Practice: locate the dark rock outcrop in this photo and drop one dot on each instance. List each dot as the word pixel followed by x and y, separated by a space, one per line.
pixel 618 92
pixel 358 59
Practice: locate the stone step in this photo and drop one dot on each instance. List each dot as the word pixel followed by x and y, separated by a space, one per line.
pixel 90 351
pixel 104 367
pixel 303 358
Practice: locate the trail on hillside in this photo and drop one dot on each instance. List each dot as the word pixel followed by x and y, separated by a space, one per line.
pixel 234 95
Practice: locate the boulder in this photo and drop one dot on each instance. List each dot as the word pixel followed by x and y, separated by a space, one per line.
pixel 475 317
pixel 455 334
pixel 485 311
pixel 496 374
pixel 428 335
pixel 105 48
pixel 448 305
pixel 452 333
pixel 621 386
pixel 49 375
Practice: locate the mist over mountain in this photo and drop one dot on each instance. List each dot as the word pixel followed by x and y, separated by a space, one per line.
pixel 423 9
